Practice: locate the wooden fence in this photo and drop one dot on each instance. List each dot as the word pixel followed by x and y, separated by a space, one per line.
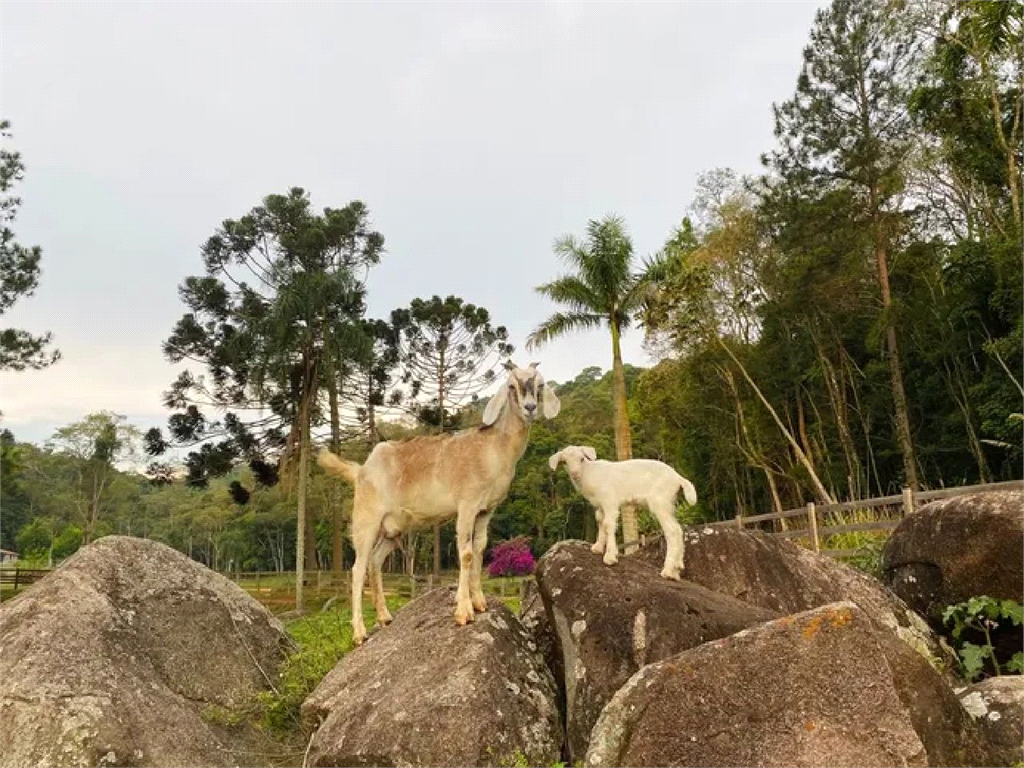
pixel 888 509
pixel 321 582
pixel 17 577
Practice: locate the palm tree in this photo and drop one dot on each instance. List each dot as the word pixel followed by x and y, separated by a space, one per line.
pixel 603 290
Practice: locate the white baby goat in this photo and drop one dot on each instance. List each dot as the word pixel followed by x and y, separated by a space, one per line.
pixel 415 483
pixel 610 484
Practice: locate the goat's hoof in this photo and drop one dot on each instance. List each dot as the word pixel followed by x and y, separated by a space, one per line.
pixel 480 604
pixel 384 620
pixel 463 617
pixel 670 574
pixel 597 549
pixel 610 559
pixel 358 638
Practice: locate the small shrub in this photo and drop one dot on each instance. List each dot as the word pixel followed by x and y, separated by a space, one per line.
pixel 983 614
pixel 511 558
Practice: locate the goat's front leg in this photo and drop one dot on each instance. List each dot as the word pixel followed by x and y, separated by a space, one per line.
pixel 611 523
pixel 464 537
pixel 476 591
pixel 598 546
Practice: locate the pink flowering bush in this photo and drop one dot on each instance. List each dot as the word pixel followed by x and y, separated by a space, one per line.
pixel 511 558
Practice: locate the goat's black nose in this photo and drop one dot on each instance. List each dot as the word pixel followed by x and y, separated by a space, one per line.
pixel 530 407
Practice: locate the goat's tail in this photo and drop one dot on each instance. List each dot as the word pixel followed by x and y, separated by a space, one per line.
pixel 338 466
pixel 689 492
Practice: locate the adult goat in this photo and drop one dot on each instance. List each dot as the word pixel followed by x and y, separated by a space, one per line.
pixel 415 483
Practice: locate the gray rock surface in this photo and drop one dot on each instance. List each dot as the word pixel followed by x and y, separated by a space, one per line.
pixel 424 692
pixel 951 550
pixel 777 574
pixel 809 689
pixel 997 705
pixel 609 621
pixel 120 655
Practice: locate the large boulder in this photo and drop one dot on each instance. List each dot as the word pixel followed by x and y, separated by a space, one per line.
pixel 949 734
pixel 951 550
pixel 425 692
pixel 809 689
pixel 609 621
pixel 534 619
pixel 773 573
pixel 997 704
pixel 129 654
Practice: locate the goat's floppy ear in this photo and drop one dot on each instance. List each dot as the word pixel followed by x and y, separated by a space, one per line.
pixel 495 404
pixel 508 365
pixel 533 366
pixel 549 400
pixel 589 452
pixel 554 460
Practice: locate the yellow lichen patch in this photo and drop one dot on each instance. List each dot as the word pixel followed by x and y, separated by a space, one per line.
pixel 809 725
pixel 841 617
pixel 812 627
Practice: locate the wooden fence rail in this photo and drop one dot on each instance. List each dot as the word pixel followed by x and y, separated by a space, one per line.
pixel 18 577
pixel 815 514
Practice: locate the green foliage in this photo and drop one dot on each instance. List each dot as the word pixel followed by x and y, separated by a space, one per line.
pixel 448 353
pixel 323 638
pixel 19 266
pixel 982 614
pixel 274 344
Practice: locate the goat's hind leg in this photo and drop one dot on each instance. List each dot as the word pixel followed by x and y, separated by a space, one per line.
pixel 664 510
pixel 381 550
pixel 365 530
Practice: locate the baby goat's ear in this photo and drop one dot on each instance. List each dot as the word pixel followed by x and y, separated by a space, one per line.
pixel 590 453
pixel 495 404
pixel 554 460
pixel 508 365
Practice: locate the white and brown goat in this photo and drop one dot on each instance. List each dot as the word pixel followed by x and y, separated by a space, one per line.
pixel 426 480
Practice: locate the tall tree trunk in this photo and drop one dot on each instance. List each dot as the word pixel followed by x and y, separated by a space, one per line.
pixel 337 513
pixel 899 395
pixel 300 535
pixel 623 440
pixel 823 495
pixel 837 397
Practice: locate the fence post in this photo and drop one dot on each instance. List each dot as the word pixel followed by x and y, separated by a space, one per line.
pixel 812 519
pixel 430 581
pixel 739 520
pixel 16 572
pixel 908 501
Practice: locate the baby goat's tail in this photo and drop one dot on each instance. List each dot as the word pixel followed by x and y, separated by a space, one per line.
pixel 338 466
pixel 689 492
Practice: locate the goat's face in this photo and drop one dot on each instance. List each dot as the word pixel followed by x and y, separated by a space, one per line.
pixel 573 456
pixel 525 393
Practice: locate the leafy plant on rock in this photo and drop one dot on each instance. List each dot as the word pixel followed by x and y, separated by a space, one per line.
pixel 983 614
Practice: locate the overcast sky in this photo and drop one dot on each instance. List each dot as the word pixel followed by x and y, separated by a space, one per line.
pixel 476 133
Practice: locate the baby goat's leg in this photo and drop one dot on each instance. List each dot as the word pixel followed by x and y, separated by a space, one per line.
pixel 476 591
pixel 464 524
pixel 599 545
pixel 380 553
pixel 610 523
pixel 664 510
